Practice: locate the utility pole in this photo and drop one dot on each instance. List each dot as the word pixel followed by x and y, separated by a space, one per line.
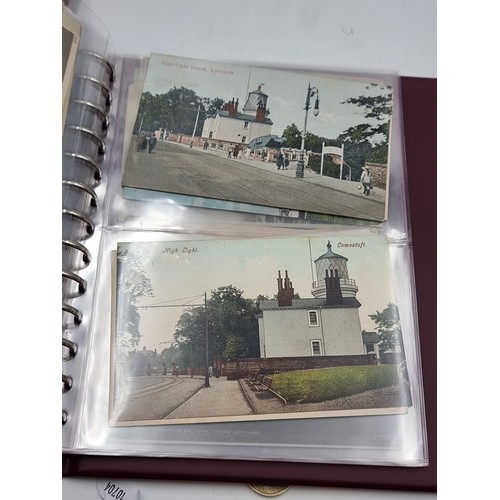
pixel 207 378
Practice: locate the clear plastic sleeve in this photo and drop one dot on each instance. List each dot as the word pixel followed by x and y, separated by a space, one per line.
pixel 398 439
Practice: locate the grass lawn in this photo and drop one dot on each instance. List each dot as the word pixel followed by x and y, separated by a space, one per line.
pixel 311 386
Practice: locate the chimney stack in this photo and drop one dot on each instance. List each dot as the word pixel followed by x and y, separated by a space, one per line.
pixel 333 291
pixel 285 291
pixel 261 114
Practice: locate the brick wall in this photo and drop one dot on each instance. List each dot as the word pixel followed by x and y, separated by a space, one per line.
pixel 242 367
pixel 379 174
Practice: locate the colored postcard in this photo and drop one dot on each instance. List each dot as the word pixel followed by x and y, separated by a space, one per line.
pixel 255 329
pixel 260 140
pixel 71 32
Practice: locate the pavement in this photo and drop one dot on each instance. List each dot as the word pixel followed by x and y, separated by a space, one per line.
pixel 223 398
pixel 310 176
pixel 226 398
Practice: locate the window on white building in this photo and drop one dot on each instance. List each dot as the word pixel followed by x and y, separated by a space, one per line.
pixel 316 347
pixel 243 139
pixel 313 318
pixel 246 125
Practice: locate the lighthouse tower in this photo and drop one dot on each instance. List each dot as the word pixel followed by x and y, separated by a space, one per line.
pixel 332 277
pixel 256 105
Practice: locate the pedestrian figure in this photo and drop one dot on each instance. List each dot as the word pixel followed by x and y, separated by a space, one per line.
pixel 366 180
pixel 285 162
pixel 279 161
pixel 152 143
pixel 205 145
pixel 236 151
pixel 229 152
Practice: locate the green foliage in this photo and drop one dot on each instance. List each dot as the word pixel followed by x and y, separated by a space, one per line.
pixel 311 386
pixel 362 143
pixel 133 285
pixel 176 111
pixel 232 328
pixel 388 328
pixel 293 136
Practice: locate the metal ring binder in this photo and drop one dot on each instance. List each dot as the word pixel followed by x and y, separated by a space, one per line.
pixel 84 218
pixel 72 347
pixel 97 109
pixel 89 161
pixel 77 314
pixel 67 382
pixel 97 102
pixel 78 246
pixel 83 187
pixel 93 135
pixel 82 284
pixel 106 61
pixel 105 89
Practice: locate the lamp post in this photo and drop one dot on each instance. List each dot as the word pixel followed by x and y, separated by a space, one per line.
pixel 311 92
pixel 195 124
pixel 207 376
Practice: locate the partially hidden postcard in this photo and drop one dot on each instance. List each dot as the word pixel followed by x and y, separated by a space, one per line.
pixel 261 140
pixel 255 329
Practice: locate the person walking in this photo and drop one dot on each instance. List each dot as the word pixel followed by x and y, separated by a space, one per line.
pixel 279 161
pixel 152 143
pixel 366 180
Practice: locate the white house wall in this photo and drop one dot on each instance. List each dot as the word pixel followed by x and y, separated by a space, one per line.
pixel 286 332
pixel 232 129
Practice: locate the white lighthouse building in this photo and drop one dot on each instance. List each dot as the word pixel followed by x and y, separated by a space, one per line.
pixel 326 325
pixel 233 125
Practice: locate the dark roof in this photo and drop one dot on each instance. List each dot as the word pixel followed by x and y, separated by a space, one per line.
pixel 329 254
pixel 267 141
pixel 244 117
pixel 349 302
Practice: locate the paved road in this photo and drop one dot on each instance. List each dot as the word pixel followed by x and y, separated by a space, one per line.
pixel 184 398
pixel 153 397
pixel 159 397
pixel 174 168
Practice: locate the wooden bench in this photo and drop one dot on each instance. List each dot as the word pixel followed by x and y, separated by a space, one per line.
pixel 261 383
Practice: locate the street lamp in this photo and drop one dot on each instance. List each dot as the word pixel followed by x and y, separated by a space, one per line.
pixel 311 92
pixel 207 376
pixel 195 124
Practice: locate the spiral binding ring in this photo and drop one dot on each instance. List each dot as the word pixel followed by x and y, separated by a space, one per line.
pixel 67 383
pixel 97 109
pixel 83 187
pixel 101 108
pixel 74 311
pixel 82 284
pixel 88 160
pixel 93 135
pixel 72 346
pixel 107 62
pixel 105 89
pixel 78 246
pixel 84 218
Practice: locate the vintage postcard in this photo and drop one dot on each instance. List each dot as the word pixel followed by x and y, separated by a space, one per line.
pixel 71 32
pixel 261 140
pixel 255 329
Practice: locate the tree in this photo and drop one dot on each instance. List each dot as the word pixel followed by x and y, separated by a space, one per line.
pixel 378 109
pixel 133 285
pixel 388 328
pixel 293 136
pixel 232 328
pixel 175 110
